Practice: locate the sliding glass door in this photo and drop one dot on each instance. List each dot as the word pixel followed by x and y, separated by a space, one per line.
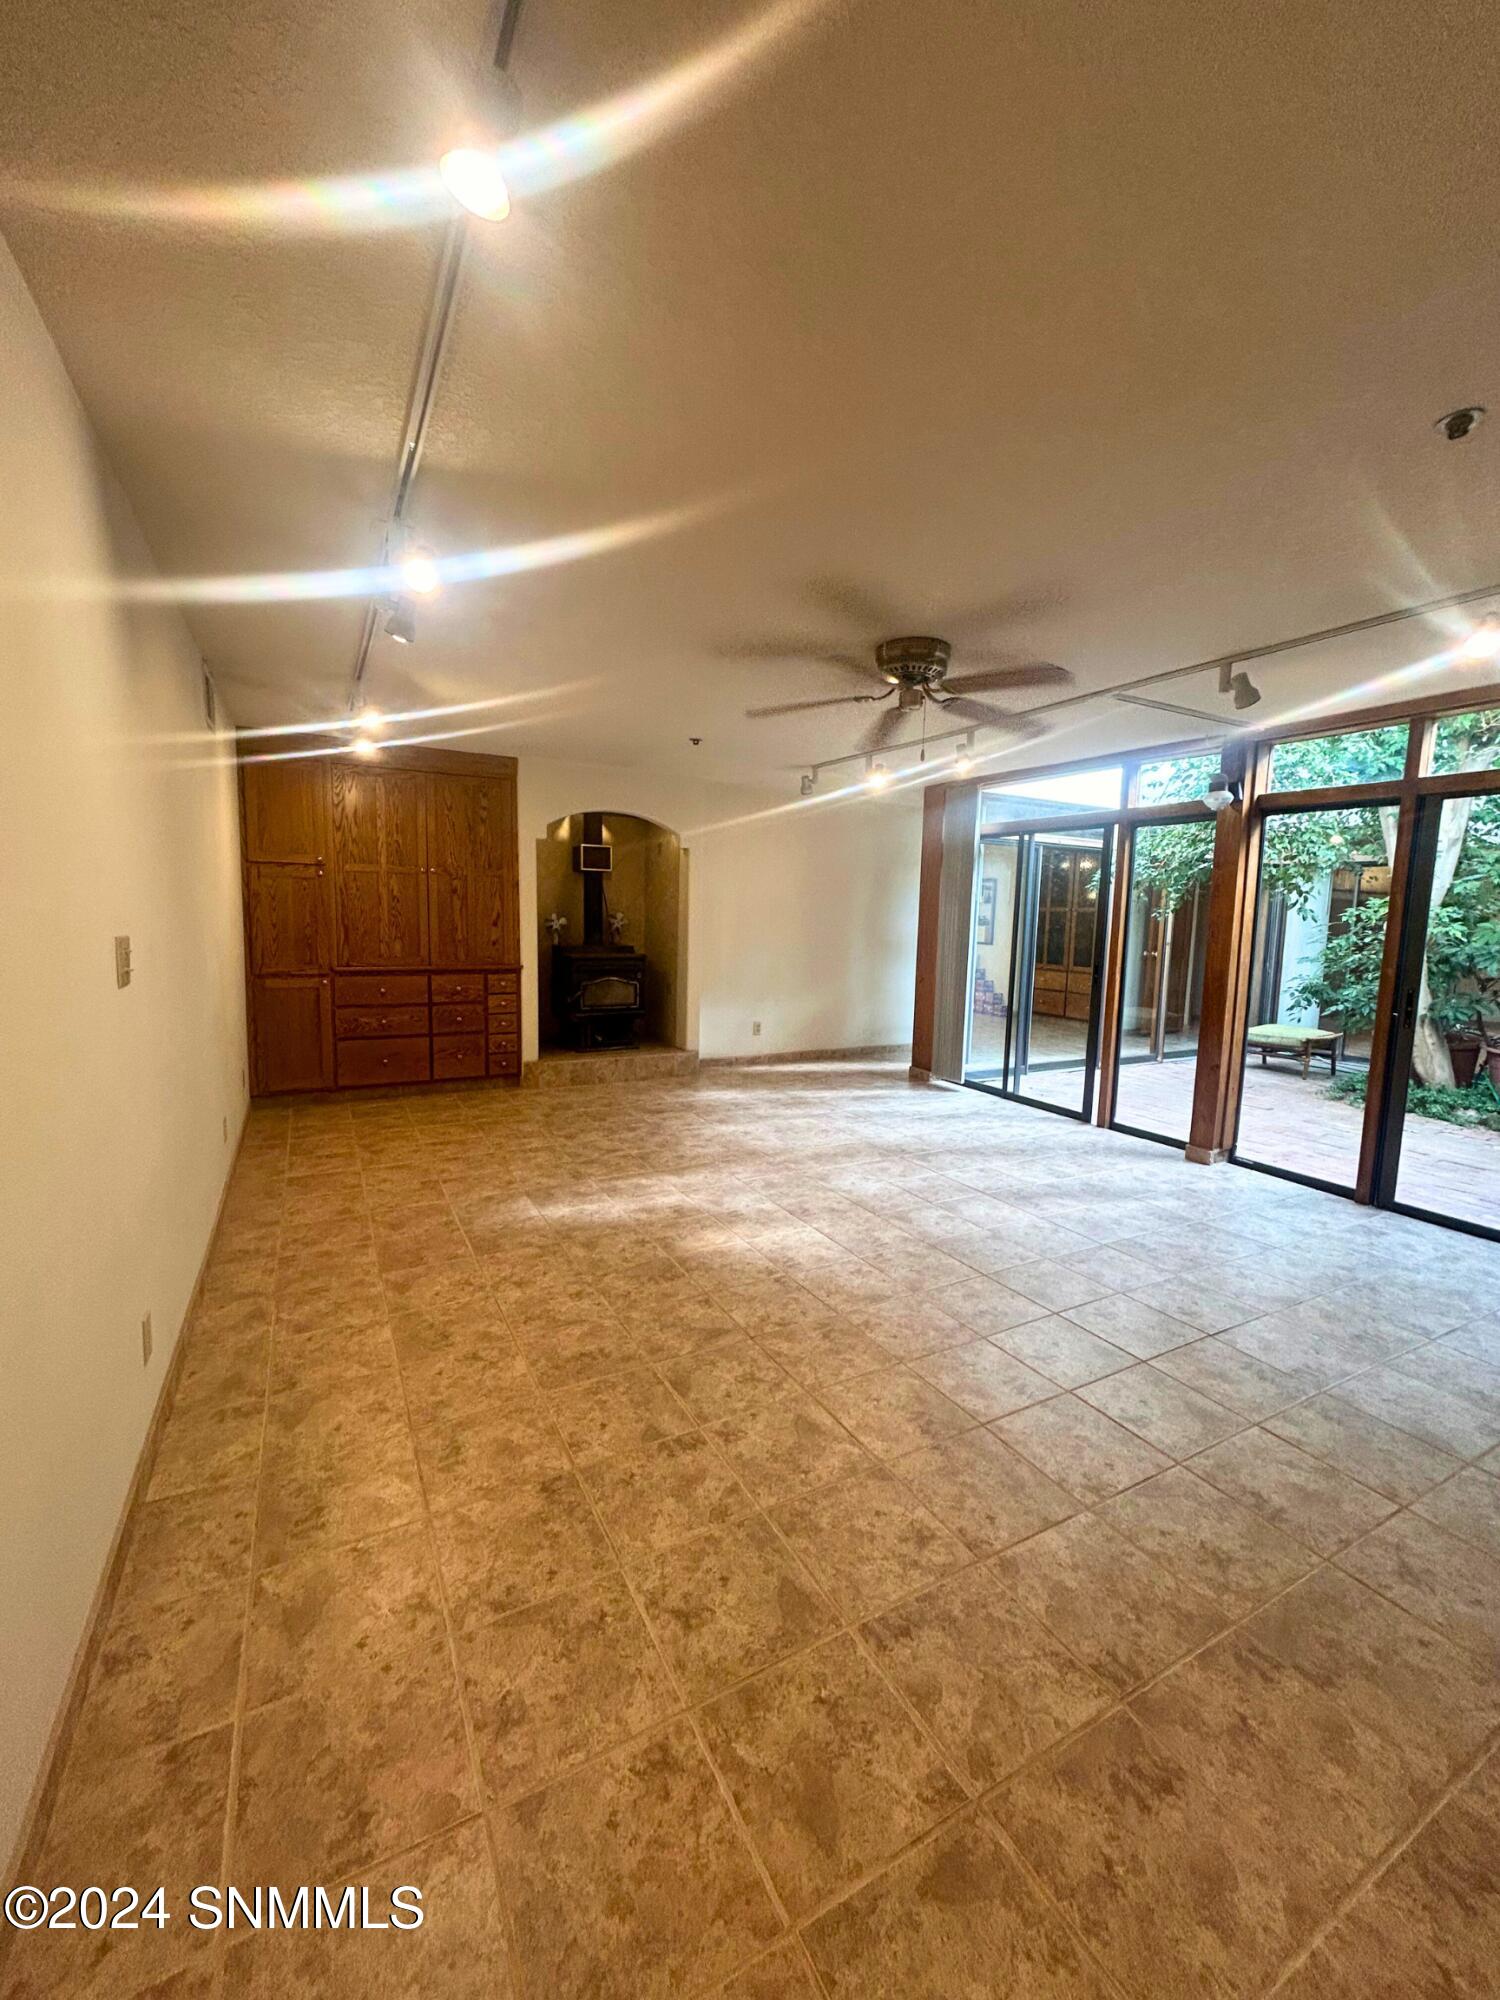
pixel 1038 954
pixel 1320 923
pixel 1161 978
pixel 1440 1149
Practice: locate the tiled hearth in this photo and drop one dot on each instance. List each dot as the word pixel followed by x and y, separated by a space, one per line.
pixel 790 1532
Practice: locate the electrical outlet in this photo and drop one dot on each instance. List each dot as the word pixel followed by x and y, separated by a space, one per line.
pixel 122 961
pixel 146 1341
pixel 755 1027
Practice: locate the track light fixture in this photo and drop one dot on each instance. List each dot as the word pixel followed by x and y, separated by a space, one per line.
pixel 808 782
pixel 963 760
pixel 471 172
pixel 877 777
pixel 401 624
pixel 1223 790
pixel 1238 683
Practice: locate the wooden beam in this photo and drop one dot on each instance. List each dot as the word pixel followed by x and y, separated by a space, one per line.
pixel 924 1007
pixel 1231 926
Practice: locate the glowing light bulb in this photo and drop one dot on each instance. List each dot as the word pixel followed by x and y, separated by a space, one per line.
pixel 877 778
pixel 365 746
pixel 420 573
pixel 1483 643
pixel 473 178
pixel 963 764
pixel 369 719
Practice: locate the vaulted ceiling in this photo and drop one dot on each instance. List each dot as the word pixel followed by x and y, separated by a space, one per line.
pixel 1110 334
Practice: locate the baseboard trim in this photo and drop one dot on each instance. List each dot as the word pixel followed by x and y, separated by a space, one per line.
pixel 43 1796
pixel 875 1052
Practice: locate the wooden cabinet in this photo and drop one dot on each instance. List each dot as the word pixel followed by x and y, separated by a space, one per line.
pixel 381 909
pixel 379 865
pixel 291 1035
pixel 471 880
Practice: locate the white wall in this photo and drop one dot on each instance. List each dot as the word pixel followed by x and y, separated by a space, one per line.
pixel 117 814
pixel 804 919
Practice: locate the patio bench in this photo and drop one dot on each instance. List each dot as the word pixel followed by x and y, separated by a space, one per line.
pixel 1279 1038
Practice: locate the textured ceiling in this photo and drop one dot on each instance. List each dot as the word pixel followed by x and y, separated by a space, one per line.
pixel 1126 325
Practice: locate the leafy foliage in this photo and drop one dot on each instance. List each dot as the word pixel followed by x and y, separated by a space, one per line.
pixel 1478 1105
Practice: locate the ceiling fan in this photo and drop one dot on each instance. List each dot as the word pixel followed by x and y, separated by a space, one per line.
pixel 915 670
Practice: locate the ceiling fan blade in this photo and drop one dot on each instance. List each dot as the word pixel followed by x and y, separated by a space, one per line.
pixel 886 727
pixel 1028 674
pixel 792 707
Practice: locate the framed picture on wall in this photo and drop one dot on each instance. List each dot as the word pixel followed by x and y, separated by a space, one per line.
pixel 985 934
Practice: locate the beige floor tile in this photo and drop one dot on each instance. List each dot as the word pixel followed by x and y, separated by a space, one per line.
pixel 1194 1303
pixel 163 1672
pixel 992 1684
pixel 322 1491
pixel 337 1611
pixel 1429 1697
pixel 1081 1448
pixel 334 1778
pixel 1430 1923
pixel 910 1326
pixel 727 1379
pixel 1143 1330
pixel 783 1974
pixel 790 1445
pixel 1063 1351
pixel 984 1380
pixel 985 1493
pixel 148 1819
pixel 186 1544
pixel 649 1499
pixel 601 1904
pixel 557 1682
pixel 869 1540
pixel 1125 1615
pixel 1312 1501
pixel 988 1308
pixel 1055 1285
pixel 618 1413
pixel 1468 1505
pixel 1451 1584
pixel 894 1411
pixel 1237 1380
pixel 316 1355
pixel 729 1602
pixel 828 1769
pixel 1378 1455
pixel 1165 1412
pixel 1433 1414
pixel 819 1356
pixel 458 1951
pixel 955 1916
pixel 518 1543
pixel 208 1444
pixel 1219 1546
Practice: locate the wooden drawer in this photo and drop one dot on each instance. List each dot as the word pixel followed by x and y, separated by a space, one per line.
pixel 457 1020
pixel 505 1062
pixel 504 983
pixel 458 1055
pixel 458 986
pixel 380 989
pixel 505 1018
pixel 361 1021
pixel 505 1044
pixel 403 1059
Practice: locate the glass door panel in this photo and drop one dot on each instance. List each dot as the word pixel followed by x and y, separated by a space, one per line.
pixel 1039 936
pixel 1320 924
pixel 1166 943
pixel 1442 1150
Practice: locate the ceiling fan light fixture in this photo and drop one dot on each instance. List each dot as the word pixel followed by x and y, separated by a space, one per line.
pixel 1223 790
pixel 877 777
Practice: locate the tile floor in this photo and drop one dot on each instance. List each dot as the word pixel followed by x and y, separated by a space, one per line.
pixel 788 1532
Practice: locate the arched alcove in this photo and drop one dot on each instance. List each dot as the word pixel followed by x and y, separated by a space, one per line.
pixel 645 891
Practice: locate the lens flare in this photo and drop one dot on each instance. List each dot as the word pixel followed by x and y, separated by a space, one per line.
pixel 420 575
pixel 483 181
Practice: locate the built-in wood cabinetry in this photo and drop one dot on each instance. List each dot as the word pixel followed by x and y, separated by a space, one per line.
pixel 381 919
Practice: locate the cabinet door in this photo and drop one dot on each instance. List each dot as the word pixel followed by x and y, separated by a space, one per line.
pixel 293 1034
pixel 472 873
pixel 379 861
pixel 286 811
pixel 288 928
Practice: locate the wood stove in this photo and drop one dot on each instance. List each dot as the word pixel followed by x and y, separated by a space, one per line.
pixel 598 989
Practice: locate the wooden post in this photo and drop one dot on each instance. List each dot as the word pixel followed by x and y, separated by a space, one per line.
pixel 924 1009
pixel 1231 928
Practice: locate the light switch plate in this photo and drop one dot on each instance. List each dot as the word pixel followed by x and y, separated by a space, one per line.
pixel 122 961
